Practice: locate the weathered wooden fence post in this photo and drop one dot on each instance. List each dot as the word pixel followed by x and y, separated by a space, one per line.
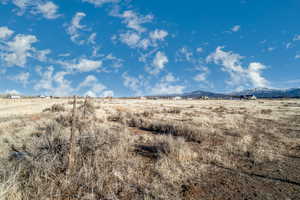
pixel 72 151
pixel 84 106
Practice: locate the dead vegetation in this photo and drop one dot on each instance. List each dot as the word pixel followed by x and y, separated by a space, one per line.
pixel 173 110
pixel 156 153
pixel 266 111
pixel 55 108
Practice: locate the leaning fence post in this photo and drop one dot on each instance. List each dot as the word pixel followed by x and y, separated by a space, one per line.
pixel 72 152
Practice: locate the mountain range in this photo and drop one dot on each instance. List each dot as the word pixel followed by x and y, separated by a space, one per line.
pixel 258 92
pixel 270 93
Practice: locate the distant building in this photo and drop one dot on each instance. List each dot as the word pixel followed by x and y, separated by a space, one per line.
pixel 205 97
pixel 177 98
pixel 190 98
pixel 14 97
pixel 248 97
pixel 253 97
pixel 143 98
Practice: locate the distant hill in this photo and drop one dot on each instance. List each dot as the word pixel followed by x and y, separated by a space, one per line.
pixel 200 93
pixel 194 94
pixel 270 93
pixel 258 92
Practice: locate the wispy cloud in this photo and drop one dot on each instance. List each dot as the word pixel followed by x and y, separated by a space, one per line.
pixel 75 27
pixel 22 78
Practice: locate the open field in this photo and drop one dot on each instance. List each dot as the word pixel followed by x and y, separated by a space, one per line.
pixel 150 149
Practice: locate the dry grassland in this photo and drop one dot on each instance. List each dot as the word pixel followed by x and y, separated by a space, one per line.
pixel 150 149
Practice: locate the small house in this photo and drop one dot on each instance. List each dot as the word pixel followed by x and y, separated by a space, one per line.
pixel 248 97
pixel 14 97
pixel 177 98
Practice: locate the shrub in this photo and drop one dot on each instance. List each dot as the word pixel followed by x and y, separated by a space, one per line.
pixel 147 114
pixel 116 117
pixel 174 110
pixel 167 146
pixel 190 133
pixel 266 111
pixel 87 107
pixel 40 170
pixel 55 108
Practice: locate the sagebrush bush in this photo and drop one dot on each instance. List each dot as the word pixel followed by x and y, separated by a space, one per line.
pixel 55 108
pixel 87 108
pixel 173 110
pixel 41 169
pixel 190 133
pixel 266 111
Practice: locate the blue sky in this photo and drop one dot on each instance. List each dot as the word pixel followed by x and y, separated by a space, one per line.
pixel 135 47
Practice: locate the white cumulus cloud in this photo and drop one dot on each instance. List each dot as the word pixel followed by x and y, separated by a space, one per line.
pixel 100 2
pixel 135 84
pixel 83 65
pixel 18 50
pixel 158 34
pixel 167 85
pixel 95 88
pixel 131 39
pixel 135 21
pixel 108 93
pixel 48 9
pixel 254 73
pixel 55 84
pixel 185 54
pixel 5 32
pixel 200 77
pixel 297 38
pixel 12 92
pixel 88 81
pixel 239 76
pixel 159 62
pixel 22 78
pixel 236 28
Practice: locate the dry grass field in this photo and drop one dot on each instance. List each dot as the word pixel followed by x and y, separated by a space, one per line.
pixel 150 149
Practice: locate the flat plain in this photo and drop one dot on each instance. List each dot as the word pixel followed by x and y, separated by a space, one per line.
pixel 150 149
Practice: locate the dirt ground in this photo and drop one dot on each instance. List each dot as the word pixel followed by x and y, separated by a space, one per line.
pixel 231 149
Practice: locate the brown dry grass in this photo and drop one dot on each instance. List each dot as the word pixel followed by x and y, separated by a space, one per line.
pixel 154 150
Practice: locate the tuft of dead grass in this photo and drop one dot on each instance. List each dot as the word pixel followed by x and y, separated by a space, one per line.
pixel 188 132
pixel 266 111
pixel 87 108
pixel 55 108
pixel 173 110
pixel 41 167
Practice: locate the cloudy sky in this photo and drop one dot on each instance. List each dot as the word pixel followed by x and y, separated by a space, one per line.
pixel 138 47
